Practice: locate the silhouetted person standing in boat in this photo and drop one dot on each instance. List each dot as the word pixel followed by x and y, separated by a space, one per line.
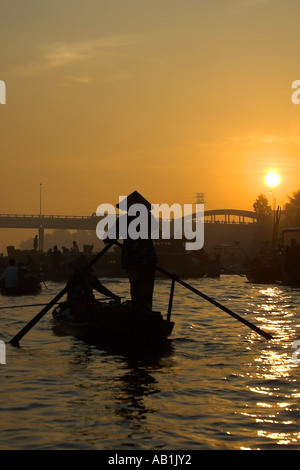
pixel 75 248
pixel 35 243
pixel 138 256
pixel 57 258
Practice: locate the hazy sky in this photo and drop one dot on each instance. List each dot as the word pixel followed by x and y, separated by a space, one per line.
pixel 167 97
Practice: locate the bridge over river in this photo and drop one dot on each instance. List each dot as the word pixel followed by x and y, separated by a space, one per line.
pixel 71 222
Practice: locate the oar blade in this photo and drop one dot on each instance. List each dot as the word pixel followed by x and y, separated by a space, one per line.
pixel 16 339
pixel 209 299
pixel 217 304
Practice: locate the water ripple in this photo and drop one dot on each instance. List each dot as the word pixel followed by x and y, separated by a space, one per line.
pixel 216 385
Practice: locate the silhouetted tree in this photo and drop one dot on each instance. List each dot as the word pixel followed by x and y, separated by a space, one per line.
pixel 262 208
pixel 292 210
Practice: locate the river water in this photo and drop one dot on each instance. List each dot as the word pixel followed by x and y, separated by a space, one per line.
pixel 215 385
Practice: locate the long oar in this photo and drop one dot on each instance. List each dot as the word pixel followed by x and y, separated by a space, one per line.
pixel 212 301
pixel 15 340
pixel 37 272
pixel 217 304
pixel 21 306
pixel 40 305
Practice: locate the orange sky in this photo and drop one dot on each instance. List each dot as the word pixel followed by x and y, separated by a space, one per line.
pixel 167 97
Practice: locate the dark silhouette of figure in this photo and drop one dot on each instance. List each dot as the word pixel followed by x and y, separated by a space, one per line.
pixel 138 257
pixel 57 258
pixel 75 248
pixel 35 242
pixel 82 283
pixel 10 277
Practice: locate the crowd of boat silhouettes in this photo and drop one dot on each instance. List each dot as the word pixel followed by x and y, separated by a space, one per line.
pixel 270 263
pixel 81 314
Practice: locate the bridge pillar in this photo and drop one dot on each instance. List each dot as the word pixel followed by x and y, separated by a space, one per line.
pixel 41 238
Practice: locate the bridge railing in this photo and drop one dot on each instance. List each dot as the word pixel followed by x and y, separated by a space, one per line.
pixel 212 216
pixel 47 216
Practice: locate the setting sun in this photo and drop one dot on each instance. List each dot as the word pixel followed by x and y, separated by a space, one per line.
pixel 272 179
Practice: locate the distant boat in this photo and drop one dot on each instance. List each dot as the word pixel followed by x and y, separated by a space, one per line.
pixel 281 266
pixel 290 266
pixel 265 268
pixel 111 322
pixel 29 284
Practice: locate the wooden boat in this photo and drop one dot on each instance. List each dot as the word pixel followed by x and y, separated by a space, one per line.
pixel 111 322
pixel 265 269
pixel 29 284
pixel 290 268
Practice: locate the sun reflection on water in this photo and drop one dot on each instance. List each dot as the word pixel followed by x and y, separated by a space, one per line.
pixel 273 372
pixel 219 385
